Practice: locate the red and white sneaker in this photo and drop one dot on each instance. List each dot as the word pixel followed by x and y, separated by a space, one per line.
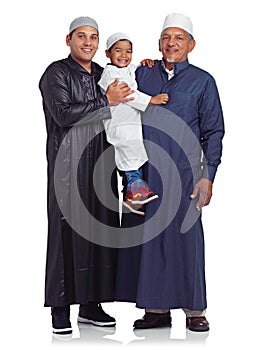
pixel 138 195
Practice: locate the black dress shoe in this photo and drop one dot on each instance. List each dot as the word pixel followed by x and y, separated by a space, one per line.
pixel 197 324
pixel 153 320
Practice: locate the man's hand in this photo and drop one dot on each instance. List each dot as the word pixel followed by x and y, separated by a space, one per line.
pixel 202 190
pixel 118 93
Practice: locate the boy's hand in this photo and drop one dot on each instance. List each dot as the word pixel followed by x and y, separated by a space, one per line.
pixel 159 99
pixel 147 61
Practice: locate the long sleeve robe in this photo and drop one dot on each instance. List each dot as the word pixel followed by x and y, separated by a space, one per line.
pixel 77 270
pixel 168 270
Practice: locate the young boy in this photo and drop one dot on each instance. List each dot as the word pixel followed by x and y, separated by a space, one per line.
pixel 124 130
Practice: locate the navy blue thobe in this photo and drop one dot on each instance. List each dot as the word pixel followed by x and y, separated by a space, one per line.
pixel 168 271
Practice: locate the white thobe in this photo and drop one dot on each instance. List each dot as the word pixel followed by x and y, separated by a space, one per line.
pixel 124 129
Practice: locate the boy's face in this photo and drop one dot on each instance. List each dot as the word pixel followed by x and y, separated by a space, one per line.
pixel 120 53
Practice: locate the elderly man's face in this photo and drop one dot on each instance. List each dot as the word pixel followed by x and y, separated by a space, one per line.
pixel 175 44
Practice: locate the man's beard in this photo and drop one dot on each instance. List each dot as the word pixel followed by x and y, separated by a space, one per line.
pixel 170 60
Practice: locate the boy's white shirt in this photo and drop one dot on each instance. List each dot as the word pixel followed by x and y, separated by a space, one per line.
pixel 124 129
pixel 125 75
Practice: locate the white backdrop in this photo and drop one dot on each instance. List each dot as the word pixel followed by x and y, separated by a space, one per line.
pixel 228 35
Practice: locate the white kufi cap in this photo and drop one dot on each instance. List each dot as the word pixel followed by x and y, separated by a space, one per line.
pixel 178 20
pixel 83 21
pixel 116 37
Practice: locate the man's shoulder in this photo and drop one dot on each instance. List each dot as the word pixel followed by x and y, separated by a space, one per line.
pixel 58 65
pixel 147 71
pixel 200 72
pixel 157 63
pixel 54 69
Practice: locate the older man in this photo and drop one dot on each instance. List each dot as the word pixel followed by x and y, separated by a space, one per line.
pixel 170 267
pixel 78 271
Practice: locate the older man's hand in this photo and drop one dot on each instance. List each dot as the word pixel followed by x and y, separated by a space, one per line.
pixel 202 191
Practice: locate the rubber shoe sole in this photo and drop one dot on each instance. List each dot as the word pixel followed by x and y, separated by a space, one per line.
pixel 131 209
pixel 144 201
pixel 164 325
pixel 96 323
pixel 62 331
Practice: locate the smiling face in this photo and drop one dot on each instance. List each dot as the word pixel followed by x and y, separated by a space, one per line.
pixel 120 53
pixel 83 44
pixel 175 44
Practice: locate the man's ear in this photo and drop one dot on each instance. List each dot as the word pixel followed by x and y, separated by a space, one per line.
pixel 159 42
pixel 68 40
pixel 191 45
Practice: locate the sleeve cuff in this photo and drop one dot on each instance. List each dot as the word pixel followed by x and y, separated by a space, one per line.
pixel 209 172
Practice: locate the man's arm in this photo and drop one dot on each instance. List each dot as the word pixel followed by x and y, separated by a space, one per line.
pixel 211 129
pixel 57 99
pixel 212 132
pixel 118 93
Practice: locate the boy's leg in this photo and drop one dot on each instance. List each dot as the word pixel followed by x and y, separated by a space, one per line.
pixel 137 192
pixel 132 176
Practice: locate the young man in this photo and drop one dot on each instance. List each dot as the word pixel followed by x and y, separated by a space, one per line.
pixel 78 271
